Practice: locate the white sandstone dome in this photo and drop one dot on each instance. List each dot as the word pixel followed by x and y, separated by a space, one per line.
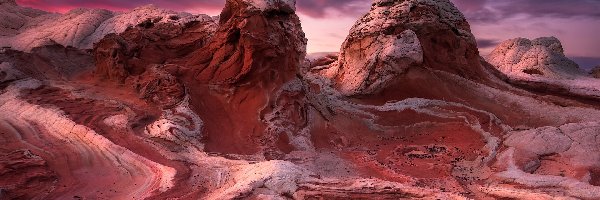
pixel 541 57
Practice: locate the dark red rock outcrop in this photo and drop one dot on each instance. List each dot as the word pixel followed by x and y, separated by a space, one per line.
pixel 138 56
pixel 253 43
pixel 159 87
pixel 132 52
pixel 256 50
pixel 53 62
pixel 24 175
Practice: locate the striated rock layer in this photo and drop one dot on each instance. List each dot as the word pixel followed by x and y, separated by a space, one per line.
pixel 232 108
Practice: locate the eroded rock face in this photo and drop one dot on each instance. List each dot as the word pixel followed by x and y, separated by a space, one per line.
pixel 52 62
pixel 136 57
pixel 246 30
pixel 235 110
pixel 397 35
pixel 24 175
pixel 159 87
pixel 539 57
pixel 130 53
pixel 387 56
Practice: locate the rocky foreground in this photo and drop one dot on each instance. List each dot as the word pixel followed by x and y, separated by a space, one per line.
pixel 156 104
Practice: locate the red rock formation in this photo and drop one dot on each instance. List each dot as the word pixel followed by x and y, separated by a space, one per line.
pixel 130 53
pixel 137 57
pixel 53 62
pixel 397 35
pixel 254 52
pixel 234 111
pixel 24 175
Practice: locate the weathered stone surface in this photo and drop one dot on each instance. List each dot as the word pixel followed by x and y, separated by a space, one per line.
pixel 130 53
pixel 54 62
pixel 397 35
pixel 15 17
pixel 232 108
pixel 24 175
pixel 540 66
pixel 539 57
pixel 252 41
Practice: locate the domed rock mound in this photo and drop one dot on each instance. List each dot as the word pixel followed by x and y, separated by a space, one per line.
pixel 397 35
pixel 541 66
pixel 544 57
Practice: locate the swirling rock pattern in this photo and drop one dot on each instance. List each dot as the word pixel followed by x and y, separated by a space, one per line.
pixel 232 108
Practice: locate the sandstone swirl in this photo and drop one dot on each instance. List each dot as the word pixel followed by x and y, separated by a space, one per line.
pixel 169 105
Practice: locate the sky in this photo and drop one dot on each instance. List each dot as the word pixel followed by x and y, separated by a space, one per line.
pixel 327 22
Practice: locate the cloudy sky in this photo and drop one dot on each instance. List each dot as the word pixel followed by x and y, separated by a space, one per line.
pixel 326 22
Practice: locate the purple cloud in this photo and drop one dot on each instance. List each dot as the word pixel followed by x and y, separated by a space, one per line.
pixel 482 11
pixel 485 43
pixel 318 8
